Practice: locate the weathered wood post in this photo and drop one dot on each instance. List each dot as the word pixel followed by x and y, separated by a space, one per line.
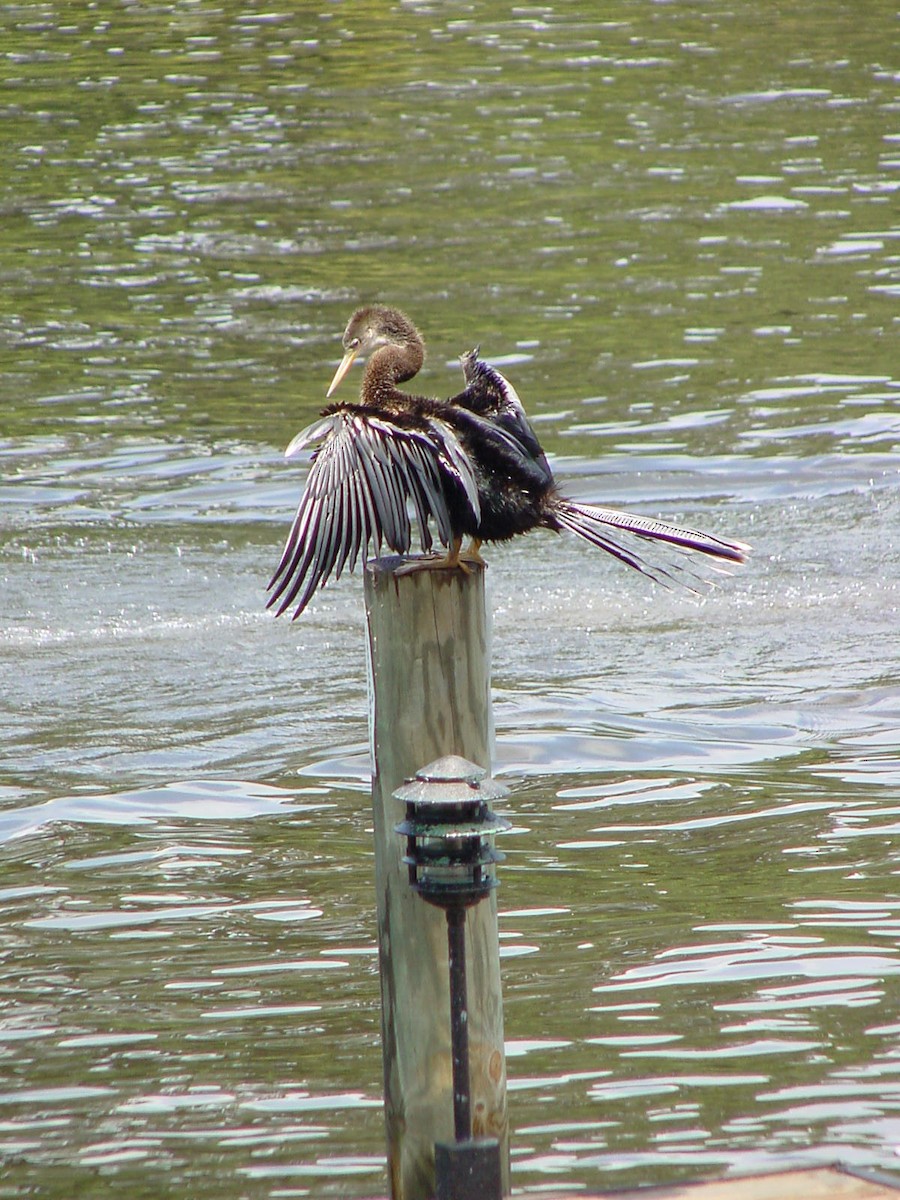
pixel 429 673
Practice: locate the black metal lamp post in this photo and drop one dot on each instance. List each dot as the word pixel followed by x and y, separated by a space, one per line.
pixel 449 830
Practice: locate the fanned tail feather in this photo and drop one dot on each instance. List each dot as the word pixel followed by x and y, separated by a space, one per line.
pixel 600 527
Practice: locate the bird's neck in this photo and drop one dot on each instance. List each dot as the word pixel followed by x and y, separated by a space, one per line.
pixel 386 368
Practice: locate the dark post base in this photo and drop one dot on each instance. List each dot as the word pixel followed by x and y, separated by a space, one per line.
pixel 468 1170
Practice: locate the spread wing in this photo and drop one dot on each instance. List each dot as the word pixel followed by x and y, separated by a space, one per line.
pixel 367 473
pixel 491 395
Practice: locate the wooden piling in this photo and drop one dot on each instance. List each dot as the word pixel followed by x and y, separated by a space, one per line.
pixel 429 690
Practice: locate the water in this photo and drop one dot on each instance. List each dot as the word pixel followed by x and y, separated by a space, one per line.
pixel 676 230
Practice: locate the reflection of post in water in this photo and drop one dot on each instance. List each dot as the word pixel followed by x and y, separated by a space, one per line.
pixel 430 697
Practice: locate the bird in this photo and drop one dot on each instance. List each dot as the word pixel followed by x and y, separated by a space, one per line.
pixel 471 465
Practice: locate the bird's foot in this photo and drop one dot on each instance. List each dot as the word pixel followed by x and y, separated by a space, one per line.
pixel 434 562
pixel 471 554
pixel 438 562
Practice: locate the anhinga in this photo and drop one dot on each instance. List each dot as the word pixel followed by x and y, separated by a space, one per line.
pixel 472 465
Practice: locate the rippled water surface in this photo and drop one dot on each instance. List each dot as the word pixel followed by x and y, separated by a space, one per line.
pixel 675 228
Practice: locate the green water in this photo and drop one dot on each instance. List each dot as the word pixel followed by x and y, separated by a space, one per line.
pixel 675 229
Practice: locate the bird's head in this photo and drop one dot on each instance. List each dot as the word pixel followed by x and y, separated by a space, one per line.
pixel 373 327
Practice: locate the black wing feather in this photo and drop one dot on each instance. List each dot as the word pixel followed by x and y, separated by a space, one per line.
pixel 367 472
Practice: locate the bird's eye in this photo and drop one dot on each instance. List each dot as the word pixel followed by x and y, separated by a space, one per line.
pixel 354 343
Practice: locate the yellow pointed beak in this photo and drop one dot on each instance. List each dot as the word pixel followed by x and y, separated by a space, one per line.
pixel 346 364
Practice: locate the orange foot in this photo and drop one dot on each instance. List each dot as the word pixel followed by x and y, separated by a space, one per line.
pixel 444 562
